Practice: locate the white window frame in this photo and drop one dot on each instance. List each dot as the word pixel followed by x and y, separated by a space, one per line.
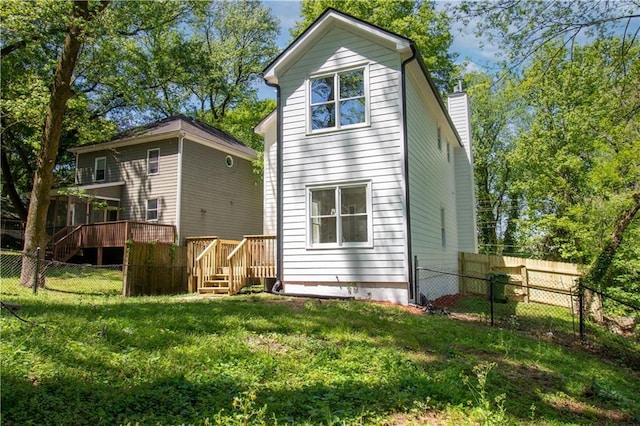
pixel 149 151
pixel 156 210
pixel 336 100
pixel 339 243
pixel 104 169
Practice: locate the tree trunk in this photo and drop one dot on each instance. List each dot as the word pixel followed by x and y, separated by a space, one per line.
pixel 36 232
pixel 10 187
pixel 596 275
pixel 599 269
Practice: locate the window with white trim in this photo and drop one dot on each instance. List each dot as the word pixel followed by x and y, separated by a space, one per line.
pixel 340 215
pixel 153 161
pixel 338 100
pixel 100 169
pixel 152 210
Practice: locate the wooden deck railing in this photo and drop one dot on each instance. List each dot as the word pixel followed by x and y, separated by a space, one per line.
pixel 262 256
pixel 195 246
pixel 238 267
pixel 253 257
pixel 67 246
pixel 111 234
pixel 213 260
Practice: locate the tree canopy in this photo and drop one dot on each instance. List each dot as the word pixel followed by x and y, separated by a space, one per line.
pixel 414 19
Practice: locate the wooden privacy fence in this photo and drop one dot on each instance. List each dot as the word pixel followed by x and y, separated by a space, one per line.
pixel 533 280
pixel 154 269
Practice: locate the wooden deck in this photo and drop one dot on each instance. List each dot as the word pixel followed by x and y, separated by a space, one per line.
pixel 225 266
pixel 108 234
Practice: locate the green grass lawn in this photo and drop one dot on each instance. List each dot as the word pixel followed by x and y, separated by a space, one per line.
pixel 264 359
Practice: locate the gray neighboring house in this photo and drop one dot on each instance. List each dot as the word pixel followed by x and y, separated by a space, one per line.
pixel 175 171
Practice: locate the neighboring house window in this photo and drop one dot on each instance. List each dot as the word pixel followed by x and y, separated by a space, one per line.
pixel 443 234
pixel 340 215
pixel 153 161
pixel 101 168
pixel 439 139
pixel 338 100
pixel 152 210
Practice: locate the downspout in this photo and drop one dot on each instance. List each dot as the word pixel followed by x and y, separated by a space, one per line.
pixel 179 189
pixel 413 285
pixel 279 184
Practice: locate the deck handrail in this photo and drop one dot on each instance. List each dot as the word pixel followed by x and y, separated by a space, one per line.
pixel 206 262
pixel 262 256
pixel 111 234
pixel 65 246
pixel 213 259
pixel 237 267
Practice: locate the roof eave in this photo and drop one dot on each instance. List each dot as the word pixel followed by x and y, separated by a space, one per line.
pixel 317 29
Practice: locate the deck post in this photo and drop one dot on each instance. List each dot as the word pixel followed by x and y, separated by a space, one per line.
pixel 99 257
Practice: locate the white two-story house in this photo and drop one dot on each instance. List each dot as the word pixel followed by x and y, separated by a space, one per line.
pixel 366 170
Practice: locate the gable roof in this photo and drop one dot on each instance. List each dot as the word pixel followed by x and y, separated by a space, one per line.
pixel 332 18
pixel 175 126
pixel 328 20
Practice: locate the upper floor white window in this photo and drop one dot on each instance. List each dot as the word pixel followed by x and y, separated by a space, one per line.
pixel 340 215
pixel 338 100
pixel 153 161
pixel 100 169
pixel 152 210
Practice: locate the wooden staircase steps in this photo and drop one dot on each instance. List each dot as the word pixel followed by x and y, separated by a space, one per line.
pixel 216 284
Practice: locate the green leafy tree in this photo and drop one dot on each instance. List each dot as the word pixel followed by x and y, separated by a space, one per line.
pixel 494 109
pixel 523 27
pixel 53 52
pixel 414 19
pixel 579 162
pixel 579 157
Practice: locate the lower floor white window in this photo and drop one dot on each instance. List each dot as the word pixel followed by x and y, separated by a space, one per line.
pixel 152 209
pixel 340 215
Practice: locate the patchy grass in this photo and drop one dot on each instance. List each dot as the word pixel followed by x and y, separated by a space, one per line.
pixel 264 359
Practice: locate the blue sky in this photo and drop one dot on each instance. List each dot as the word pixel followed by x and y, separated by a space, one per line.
pixel 465 44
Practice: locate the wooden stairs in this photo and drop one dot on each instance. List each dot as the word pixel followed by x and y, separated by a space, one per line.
pixel 225 266
pixel 217 283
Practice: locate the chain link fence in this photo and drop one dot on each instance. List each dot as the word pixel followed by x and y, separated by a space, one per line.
pixel 539 307
pixel 56 277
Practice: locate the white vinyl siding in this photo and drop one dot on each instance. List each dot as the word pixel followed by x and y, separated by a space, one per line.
pixel 462 159
pixel 372 153
pixel 431 180
pixel 270 182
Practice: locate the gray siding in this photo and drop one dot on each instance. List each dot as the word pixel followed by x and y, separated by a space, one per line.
pixel 216 199
pixel 129 164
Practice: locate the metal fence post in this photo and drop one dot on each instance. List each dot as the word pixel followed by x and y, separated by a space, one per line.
pixel 492 278
pixel 416 281
pixel 581 308
pixel 36 276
